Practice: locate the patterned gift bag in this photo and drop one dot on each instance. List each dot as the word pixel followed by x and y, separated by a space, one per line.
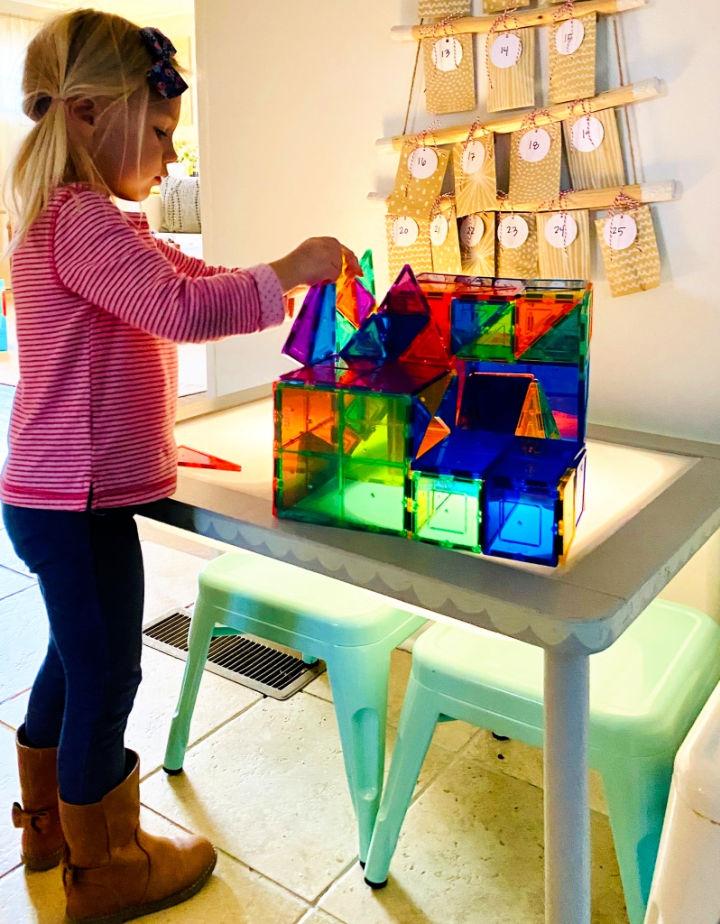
pixel 474 170
pixel 419 179
pixel 510 59
pixel 629 250
pixel 517 246
pixel 477 244
pixel 564 244
pixel 571 59
pixel 535 163
pixel 449 72
pixel 593 149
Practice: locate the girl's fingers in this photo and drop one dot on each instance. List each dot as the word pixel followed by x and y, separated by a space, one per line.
pixel 351 262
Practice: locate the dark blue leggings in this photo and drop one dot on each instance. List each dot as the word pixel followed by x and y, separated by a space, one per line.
pixel 90 571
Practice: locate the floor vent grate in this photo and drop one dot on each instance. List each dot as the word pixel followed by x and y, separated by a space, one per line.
pixel 256 664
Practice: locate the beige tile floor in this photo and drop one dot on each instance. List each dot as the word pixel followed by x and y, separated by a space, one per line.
pixel 264 780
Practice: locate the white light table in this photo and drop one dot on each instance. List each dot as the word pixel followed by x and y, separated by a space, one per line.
pixel 652 502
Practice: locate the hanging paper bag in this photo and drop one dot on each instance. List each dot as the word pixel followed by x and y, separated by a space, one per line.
pixel 535 163
pixel 593 148
pixel 564 245
pixel 517 246
pixel 442 9
pixel 499 6
pixel 408 241
pixel 419 179
pixel 571 59
pixel 449 71
pixel 511 69
pixel 444 239
pixel 629 251
pixel 477 244
pixel 474 169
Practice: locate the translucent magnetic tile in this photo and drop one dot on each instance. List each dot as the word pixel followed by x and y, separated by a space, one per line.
pixel 564 387
pixel 301 340
pixel 307 487
pixel 493 401
pixel 482 329
pixel 519 525
pixel 401 378
pixel 380 423
pixel 373 495
pixel 465 453
pixel 307 419
pixel 331 373
pixel 446 510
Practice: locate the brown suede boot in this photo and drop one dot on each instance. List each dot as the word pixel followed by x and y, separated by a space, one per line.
pixel 114 871
pixel 42 838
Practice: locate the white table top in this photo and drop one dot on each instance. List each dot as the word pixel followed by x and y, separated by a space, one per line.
pixel 651 503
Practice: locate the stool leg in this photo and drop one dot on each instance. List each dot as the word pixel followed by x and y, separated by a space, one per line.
pixel 637 793
pixel 199 640
pixel 417 724
pixel 359 679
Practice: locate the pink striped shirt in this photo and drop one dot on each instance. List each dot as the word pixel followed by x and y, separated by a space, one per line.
pixel 100 306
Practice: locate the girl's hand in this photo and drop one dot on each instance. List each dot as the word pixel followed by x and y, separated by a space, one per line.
pixel 319 259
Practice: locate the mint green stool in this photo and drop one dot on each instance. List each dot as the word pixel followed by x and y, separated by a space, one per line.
pixel 645 692
pixel 352 630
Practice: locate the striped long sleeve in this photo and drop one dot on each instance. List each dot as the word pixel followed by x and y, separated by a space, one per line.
pixel 99 308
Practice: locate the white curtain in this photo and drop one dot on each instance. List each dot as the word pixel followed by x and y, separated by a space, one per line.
pixel 15 33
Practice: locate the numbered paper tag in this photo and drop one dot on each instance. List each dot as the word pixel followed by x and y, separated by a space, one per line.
pixel 473 157
pixel 422 163
pixel 472 230
pixel 535 145
pixel 506 50
pixel 447 54
pixel 405 231
pixel 620 231
pixel 449 66
pixel 569 36
pixel 561 231
pixel 513 231
pixel 588 134
pixel 439 228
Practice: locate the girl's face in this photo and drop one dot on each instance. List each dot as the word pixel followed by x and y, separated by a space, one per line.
pixel 132 145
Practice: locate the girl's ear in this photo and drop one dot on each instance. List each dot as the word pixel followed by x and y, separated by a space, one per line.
pixel 81 114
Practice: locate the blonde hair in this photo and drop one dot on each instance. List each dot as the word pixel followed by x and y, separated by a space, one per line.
pixel 82 54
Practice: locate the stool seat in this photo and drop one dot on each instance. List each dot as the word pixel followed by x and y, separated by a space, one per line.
pixel 640 688
pixel 645 692
pixel 352 629
pixel 299 601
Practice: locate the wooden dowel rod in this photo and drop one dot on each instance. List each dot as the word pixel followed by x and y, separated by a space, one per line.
pixel 620 96
pixel 593 199
pixel 544 16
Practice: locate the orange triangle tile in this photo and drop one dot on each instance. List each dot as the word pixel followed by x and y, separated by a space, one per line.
pixel 436 432
pixel 193 458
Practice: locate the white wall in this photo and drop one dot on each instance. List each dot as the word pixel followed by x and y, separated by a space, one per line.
pixel 292 97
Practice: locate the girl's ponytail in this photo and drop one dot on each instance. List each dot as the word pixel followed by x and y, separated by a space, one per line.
pixel 85 53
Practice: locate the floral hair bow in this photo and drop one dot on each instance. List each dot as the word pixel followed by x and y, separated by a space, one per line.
pixel 162 76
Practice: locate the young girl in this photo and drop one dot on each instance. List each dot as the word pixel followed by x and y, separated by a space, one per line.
pixel 100 306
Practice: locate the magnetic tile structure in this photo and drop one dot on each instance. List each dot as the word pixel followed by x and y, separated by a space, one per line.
pixel 453 413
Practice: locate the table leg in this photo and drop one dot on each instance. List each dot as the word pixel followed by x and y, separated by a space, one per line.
pixel 567 811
